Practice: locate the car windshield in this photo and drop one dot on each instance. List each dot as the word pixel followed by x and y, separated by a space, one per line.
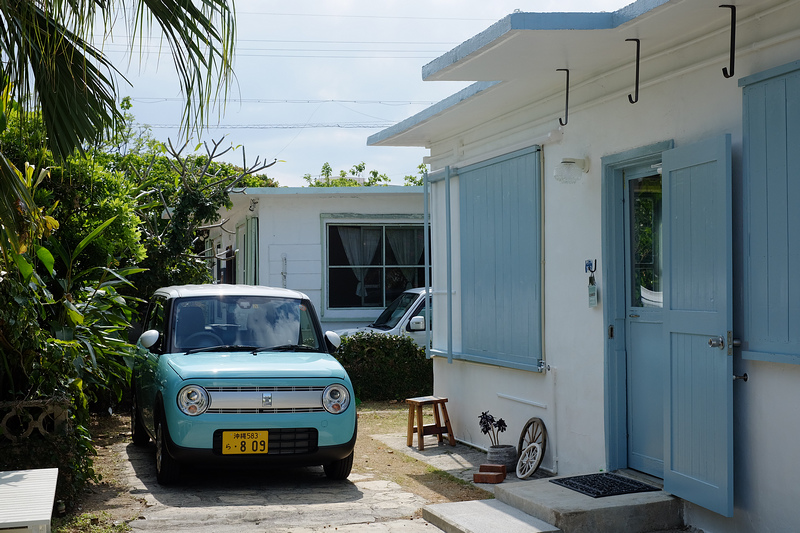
pixel 242 322
pixel 395 311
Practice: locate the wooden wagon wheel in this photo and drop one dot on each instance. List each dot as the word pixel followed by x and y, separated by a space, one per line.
pixel 533 432
pixel 529 460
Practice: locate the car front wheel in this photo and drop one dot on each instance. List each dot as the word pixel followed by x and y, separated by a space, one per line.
pixel 167 468
pixel 340 468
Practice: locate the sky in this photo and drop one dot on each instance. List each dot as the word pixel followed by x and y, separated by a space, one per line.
pixel 315 78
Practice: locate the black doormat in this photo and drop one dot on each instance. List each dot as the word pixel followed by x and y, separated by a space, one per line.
pixel 604 484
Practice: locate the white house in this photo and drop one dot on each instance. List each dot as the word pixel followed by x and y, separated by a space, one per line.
pixel 658 145
pixel 352 250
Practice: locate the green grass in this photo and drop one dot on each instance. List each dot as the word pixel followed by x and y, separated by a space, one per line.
pixel 89 523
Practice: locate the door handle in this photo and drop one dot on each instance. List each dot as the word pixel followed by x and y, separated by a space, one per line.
pixel 716 342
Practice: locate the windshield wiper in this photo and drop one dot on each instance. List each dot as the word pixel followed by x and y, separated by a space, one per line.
pixel 223 348
pixel 287 348
pixel 379 326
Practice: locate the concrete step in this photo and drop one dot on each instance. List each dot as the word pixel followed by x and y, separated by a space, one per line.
pixel 573 512
pixel 483 516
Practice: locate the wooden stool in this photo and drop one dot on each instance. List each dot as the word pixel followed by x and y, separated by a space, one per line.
pixel 415 405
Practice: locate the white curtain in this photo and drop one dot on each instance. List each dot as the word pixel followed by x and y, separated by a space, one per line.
pixel 407 249
pixel 360 246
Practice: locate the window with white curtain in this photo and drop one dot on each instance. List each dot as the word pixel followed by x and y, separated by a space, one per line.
pixel 369 265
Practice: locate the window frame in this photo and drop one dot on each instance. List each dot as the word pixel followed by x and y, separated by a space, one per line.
pixel 390 221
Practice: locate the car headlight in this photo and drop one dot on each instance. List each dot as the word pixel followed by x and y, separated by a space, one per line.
pixel 335 398
pixel 193 400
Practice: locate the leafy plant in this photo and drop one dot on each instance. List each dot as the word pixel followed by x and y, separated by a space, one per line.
pixel 90 320
pixel 53 70
pixel 419 179
pixel 492 427
pixel 352 178
pixel 386 367
pixel 65 339
pixel 180 193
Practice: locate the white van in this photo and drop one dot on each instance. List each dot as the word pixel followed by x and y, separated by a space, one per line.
pixel 406 315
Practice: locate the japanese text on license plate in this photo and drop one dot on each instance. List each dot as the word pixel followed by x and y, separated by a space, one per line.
pixel 244 442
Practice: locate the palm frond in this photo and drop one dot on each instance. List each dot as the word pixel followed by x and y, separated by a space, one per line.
pixel 51 67
pixel 48 58
pixel 201 35
pixel 48 61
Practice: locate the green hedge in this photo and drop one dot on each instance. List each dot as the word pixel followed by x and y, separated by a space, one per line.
pixel 386 367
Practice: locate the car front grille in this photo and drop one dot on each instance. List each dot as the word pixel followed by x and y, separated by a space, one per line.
pixel 237 411
pixel 283 441
pixel 265 389
pixel 265 400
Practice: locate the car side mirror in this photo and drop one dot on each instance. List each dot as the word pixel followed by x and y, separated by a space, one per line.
pixel 333 340
pixel 149 338
pixel 417 323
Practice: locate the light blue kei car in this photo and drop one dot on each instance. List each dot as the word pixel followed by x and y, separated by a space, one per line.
pixel 240 375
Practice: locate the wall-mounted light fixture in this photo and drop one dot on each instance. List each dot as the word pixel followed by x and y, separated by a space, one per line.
pixel 571 169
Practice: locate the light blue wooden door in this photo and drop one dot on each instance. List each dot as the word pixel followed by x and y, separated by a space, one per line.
pixel 698 425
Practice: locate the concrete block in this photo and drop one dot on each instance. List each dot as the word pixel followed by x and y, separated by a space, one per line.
pixel 483 516
pixel 572 511
pixel 493 468
pixel 488 477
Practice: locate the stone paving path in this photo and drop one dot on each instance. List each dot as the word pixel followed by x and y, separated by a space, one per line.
pixel 281 501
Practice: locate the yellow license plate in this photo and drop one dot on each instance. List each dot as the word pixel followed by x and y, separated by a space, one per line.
pixel 244 442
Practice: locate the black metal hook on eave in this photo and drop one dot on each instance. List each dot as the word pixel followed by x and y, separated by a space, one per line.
pixel 728 72
pixel 566 104
pixel 635 98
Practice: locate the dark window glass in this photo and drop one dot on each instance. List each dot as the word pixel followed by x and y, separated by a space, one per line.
pixel 370 265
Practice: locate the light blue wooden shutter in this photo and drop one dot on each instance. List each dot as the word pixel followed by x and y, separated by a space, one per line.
pixel 698 449
pixel 771 296
pixel 500 260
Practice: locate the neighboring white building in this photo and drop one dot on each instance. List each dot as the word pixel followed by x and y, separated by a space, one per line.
pixel 352 250
pixel 616 140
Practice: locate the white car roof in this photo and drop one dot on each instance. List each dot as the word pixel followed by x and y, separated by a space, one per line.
pixel 222 289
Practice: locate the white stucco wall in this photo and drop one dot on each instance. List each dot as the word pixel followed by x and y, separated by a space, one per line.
pixel 291 223
pixel 688 106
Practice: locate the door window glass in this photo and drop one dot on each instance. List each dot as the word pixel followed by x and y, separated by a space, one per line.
pixel 645 235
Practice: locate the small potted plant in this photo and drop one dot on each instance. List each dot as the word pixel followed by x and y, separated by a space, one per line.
pixel 501 454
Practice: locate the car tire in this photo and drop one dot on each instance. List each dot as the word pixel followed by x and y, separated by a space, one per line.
pixel 167 468
pixel 340 468
pixel 138 432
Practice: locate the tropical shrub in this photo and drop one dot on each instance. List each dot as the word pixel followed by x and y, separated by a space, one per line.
pixel 386 367
pixel 62 340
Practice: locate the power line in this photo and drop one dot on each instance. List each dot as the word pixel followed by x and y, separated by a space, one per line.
pixel 354 54
pixel 386 17
pixel 428 57
pixel 145 38
pixel 343 125
pixel 155 100
pixel 445 19
pixel 310 41
pixel 111 47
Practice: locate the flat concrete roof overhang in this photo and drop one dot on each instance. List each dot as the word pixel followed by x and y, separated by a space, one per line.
pixel 515 62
